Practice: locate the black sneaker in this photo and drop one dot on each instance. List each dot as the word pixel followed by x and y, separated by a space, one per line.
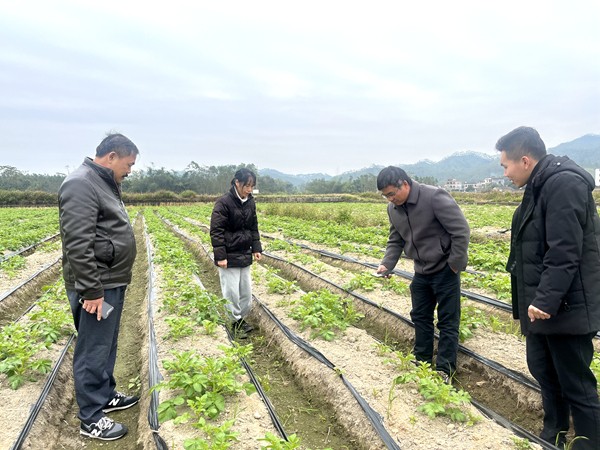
pixel 105 429
pixel 238 331
pixel 246 326
pixel 120 401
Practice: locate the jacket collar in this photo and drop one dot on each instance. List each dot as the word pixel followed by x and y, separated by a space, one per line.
pixel 105 173
pixel 236 197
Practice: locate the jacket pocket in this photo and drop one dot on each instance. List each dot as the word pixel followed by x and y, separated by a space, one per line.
pixel 104 251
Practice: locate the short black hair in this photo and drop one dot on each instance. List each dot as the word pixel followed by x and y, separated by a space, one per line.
pixel 244 176
pixel 392 176
pixel 520 142
pixel 116 142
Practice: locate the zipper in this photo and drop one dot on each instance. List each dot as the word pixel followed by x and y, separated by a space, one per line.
pixel 411 231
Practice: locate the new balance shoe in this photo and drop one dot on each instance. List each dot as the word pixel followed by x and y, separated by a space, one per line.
pixel 120 401
pixel 105 429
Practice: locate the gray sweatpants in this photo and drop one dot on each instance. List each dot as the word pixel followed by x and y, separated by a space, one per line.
pixel 236 287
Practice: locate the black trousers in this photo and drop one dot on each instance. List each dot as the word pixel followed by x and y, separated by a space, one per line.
pixel 442 289
pixel 561 364
pixel 95 354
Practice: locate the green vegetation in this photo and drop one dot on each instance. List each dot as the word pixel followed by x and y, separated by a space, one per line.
pixel 22 227
pixel 521 443
pixel 23 341
pixel 188 305
pixel 201 385
pixel 325 313
pixel 440 399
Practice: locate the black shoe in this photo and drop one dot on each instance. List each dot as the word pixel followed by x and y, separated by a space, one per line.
pixel 105 429
pixel 120 401
pixel 246 326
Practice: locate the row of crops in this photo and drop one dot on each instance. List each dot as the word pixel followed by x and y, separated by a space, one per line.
pixel 204 383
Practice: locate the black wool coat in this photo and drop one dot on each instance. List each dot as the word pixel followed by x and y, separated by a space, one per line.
pixel 234 230
pixel 555 250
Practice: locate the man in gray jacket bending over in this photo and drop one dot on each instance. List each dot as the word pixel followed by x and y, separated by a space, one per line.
pixel 98 255
pixel 428 225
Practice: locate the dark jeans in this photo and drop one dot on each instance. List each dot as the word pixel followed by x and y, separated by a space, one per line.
pixel 95 354
pixel 441 288
pixel 561 364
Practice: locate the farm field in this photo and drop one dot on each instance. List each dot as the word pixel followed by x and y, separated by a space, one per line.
pixel 175 351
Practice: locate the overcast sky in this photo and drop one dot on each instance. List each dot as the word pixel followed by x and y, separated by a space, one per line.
pixel 301 87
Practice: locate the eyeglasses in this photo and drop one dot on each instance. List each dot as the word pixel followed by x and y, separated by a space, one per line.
pixel 390 195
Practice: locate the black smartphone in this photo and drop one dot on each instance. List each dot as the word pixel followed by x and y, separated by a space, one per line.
pixel 107 308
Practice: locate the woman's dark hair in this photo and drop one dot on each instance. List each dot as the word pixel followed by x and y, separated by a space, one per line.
pixel 244 176
pixel 392 176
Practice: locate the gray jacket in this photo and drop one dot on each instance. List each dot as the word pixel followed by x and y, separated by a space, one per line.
pixel 97 237
pixel 430 228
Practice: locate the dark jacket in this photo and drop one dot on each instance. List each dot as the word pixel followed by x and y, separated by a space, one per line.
pixel 555 250
pixel 97 237
pixel 234 230
pixel 430 228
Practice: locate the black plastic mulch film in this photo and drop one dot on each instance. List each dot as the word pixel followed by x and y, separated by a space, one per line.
pixel 516 429
pixel 154 376
pixel 35 409
pixel 372 415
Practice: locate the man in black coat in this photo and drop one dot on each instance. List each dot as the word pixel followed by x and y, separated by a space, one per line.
pixel 555 276
pixel 98 255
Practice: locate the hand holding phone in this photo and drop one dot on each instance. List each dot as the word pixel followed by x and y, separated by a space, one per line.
pixel 107 308
pixel 384 274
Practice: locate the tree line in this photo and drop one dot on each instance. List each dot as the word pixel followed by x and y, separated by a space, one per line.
pixel 202 180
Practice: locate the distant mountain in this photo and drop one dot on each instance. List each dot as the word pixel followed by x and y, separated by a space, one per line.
pixel 296 180
pixel 466 166
pixel 469 167
pixel 585 151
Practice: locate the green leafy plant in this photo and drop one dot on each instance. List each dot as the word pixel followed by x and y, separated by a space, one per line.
pixel 21 342
pixel 440 399
pixel 12 266
pixel 134 384
pixel 276 443
pixel 395 284
pixel 521 443
pixel 471 318
pixel 595 365
pixel 202 383
pixel 567 446
pixel 180 327
pixel 363 281
pixel 325 313
pixel 218 437
pixel 278 285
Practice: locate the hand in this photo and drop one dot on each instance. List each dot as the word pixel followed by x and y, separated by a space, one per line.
pixel 536 313
pixel 222 264
pixel 93 306
pixel 257 256
pixel 382 269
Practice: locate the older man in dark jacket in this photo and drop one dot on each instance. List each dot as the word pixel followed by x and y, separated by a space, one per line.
pixel 428 225
pixel 555 272
pixel 98 255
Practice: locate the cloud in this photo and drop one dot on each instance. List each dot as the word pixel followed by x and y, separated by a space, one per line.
pixel 299 87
